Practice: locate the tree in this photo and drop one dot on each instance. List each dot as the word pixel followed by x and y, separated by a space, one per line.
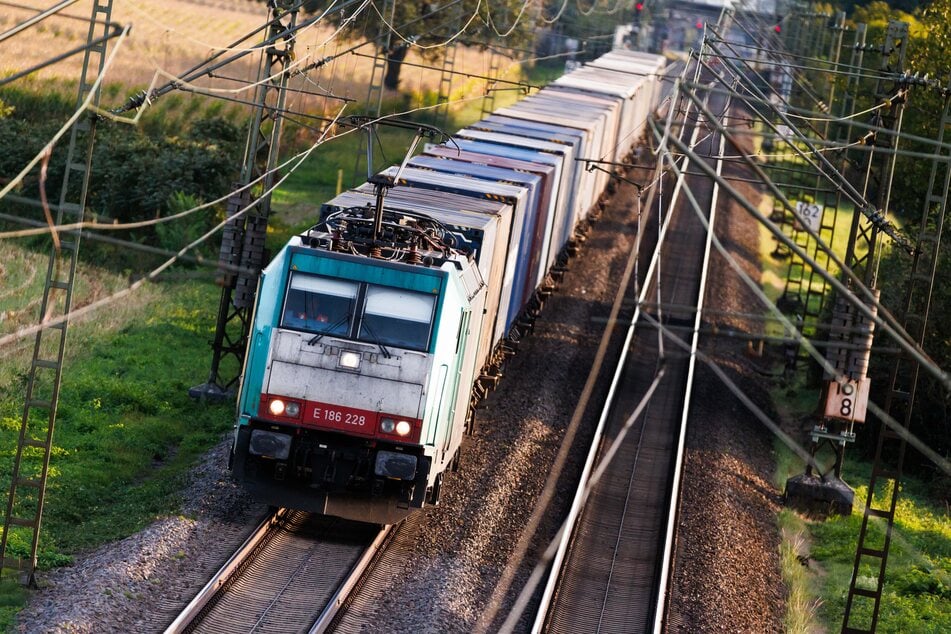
pixel 426 25
pixel 930 37
pixel 592 23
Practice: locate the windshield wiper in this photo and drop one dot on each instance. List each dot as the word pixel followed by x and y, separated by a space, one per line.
pixel 376 340
pixel 331 328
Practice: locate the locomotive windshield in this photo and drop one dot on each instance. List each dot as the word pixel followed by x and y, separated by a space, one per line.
pixel 397 317
pixel 365 312
pixel 320 304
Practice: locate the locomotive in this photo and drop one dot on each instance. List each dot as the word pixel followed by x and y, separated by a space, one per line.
pixel 374 332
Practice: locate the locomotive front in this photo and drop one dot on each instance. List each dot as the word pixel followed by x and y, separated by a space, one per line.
pixel 349 396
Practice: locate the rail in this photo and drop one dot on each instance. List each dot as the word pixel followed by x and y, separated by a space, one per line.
pixel 302 556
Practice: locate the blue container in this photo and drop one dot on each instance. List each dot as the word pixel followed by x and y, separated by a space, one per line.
pixel 506 143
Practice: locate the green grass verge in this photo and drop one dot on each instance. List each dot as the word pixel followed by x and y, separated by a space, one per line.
pixel 13 597
pixel 801 593
pixel 126 431
pixel 917 594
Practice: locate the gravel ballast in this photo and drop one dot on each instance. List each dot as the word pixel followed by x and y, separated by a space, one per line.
pixel 449 562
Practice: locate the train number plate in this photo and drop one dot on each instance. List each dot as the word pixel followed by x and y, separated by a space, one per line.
pixel 345 419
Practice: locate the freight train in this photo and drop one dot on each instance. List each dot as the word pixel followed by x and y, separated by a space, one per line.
pixel 376 331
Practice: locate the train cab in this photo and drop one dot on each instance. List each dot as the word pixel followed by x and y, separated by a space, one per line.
pixel 345 407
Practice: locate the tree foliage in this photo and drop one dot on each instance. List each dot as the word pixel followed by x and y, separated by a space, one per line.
pixel 878 13
pixel 591 23
pixel 930 50
pixel 135 176
pixel 930 37
pixel 425 26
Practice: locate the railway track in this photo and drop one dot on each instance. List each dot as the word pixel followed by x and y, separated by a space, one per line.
pixel 291 575
pixel 611 568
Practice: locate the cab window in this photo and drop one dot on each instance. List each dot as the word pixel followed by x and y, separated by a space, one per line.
pixel 320 304
pixel 397 317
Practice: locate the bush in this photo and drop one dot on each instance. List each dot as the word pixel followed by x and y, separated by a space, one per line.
pixel 134 177
pixel 176 234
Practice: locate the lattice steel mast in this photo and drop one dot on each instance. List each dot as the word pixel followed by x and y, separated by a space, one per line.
pixel 843 400
pixel 883 489
pixel 242 253
pixel 31 463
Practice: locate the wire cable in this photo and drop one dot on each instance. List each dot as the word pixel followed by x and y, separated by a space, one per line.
pixel 83 107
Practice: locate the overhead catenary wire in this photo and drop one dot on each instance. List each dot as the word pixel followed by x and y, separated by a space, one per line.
pixel 662 326
pixel 156 272
pixel 42 15
pixel 883 319
pixel 518 84
pixel 87 105
pixel 39 228
pixel 557 550
pixel 829 171
pixel 198 71
pixel 151 275
pixel 549 554
pixel 790 328
pixel 297 66
pixel 654 198
pixel 115 31
pixel 233 48
pixel 395 30
pixel 83 107
pixel 114 226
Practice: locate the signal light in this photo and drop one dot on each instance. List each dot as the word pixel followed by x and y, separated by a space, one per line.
pixel 699 24
pixel 639 6
pixel 777 28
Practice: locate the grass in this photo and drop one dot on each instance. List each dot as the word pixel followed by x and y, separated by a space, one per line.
pixel 126 431
pixel 13 597
pixel 917 591
pixel 801 601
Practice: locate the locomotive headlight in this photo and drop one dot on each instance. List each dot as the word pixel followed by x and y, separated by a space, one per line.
pixel 403 428
pixel 349 360
pixel 276 407
pixel 292 409
pixel 387 425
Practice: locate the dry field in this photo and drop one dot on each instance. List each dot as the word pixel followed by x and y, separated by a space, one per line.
pixel 170 36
